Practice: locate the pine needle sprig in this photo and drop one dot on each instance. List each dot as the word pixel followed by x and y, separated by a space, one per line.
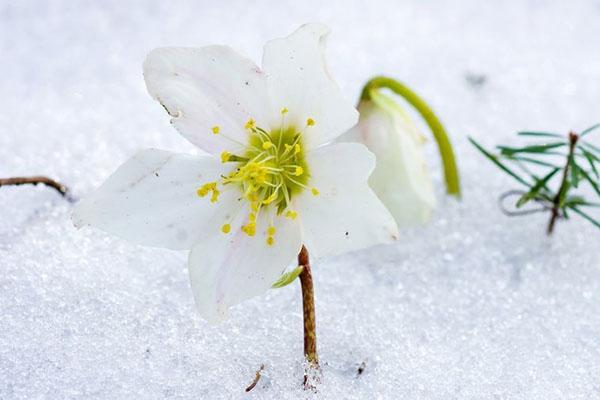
pixel 553 172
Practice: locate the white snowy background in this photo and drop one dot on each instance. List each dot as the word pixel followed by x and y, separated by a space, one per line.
pixel 475 305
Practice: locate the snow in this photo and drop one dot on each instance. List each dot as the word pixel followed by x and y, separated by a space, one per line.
pixel 473 305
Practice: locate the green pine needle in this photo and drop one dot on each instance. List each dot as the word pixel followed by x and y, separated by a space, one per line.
pixel 496 161
pixel 589 130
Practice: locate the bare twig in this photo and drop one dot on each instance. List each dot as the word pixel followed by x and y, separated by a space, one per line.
pixel 256 378
pixel 34 180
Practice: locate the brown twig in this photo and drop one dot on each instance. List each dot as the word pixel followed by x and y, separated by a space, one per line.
pixel 34 180
pixel 555 212
pixel 308 308
pixel 256 378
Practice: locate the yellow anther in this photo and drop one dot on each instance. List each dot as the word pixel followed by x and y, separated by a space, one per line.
pixel 267 145
pixel 314 191
pixel 250 124
pixel 215 129
pixel 297 148
pixel 225 156
pixel 226 228
pixel 284 110
pixel 299 171
pixel 270 241
pixel 252 217
pixel 310 122
pixel 291 214
pixel 249 229
pixel 271 230
pixel 207 187
pixel 287 147
pixel 215 196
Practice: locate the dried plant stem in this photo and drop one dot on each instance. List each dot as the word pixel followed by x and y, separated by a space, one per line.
pixel 256 378
pixel 34 180
pixel 555 212
pixel 308 308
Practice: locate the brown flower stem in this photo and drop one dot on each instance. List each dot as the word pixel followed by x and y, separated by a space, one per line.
pixel 34 180
pixel 555 212
pixel 308 308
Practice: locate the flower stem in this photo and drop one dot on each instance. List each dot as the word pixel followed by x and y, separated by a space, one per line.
pixel 34 180
pixel 439 133
pixel 308 308
pixel 312 372
pixel 573 138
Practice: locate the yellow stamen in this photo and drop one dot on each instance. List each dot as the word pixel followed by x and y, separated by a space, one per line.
pixel 291 214
pixel 271 198
pixel 225 156
pixel 249 229
pixel 268 174
pixel 215 196
pixel 207 187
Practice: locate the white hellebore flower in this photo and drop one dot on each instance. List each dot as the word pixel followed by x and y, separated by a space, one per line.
pixel 400 179
pixel 270 183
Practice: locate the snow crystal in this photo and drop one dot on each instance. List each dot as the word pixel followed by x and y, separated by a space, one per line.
pixel 474 305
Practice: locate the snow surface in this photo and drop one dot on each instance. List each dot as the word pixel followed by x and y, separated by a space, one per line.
pixel 475 305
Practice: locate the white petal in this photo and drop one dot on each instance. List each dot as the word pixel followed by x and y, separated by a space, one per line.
pixel 401 179
pixel 345 215
pixel 151 200
pixel 227 269
pixel 207 87
pixel 298 80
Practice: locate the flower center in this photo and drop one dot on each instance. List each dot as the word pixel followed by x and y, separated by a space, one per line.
pixel 269 172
